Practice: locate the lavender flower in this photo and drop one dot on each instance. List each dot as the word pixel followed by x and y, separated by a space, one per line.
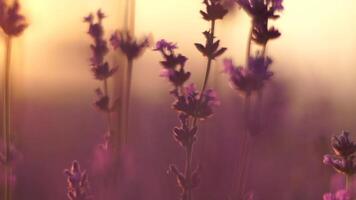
pixel 128 44
pixel 196 104
pixel 174 65
pixel 345 166
pixel 339 195
pixel 251 78
pixel 210 49
pixel 77 182
pixel 342 145
pixel 214 10
pixel 261 11
pixel 100 68
pixel 11 21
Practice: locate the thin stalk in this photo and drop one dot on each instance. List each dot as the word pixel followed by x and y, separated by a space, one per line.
pixel 208 66
pixel 249 42
pixel 244 143
pixel 7 118
pixel 127 94
pixel 189 149
pixel 106 93
pixel 188 167
pixel 348 182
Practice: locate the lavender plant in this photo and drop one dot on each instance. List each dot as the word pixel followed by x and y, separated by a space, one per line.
pixel 12 24
pixel 77 183
pixel 339 195
pixel 252 78
pixel 132 49
pixel 343 160
pixel 102 72
pixel 191 104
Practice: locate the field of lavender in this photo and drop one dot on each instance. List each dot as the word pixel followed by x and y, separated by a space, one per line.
pixel 211 99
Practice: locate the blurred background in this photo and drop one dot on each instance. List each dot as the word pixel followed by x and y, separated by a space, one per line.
pixel 310 98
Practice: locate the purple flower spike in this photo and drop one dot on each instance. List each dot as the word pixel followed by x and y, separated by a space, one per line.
pixel 128 44
pixel 195 104
pixel 251 78
pixel 214 10
pixel 342 145
pixel 339 195
pixel 77 182
pixel 163 45
pixel 11 21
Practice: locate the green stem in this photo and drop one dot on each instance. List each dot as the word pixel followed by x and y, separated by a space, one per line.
pixel 7 118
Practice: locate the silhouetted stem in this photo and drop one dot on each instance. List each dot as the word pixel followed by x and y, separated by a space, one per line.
pixel 249 42
pixel 127 94
pixel 7 118
pixel 244 144
pixel 208 66
pixel 106 93
pixel 188 168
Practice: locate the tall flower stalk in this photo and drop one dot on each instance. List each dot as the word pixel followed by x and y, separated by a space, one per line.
pixel 250 80
pixel 132 49
pixel 343 160
pixel 13 24
pixel 191 104
pixel 102 72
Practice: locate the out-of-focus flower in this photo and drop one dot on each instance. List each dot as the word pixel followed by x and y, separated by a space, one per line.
pixel 128 44
pixel 210 49
pixel 162 45
pixel 251 78
pixel 77 182
pixel 342 145
pixel 102 102
pixel 100 68
pixel 261 34
pixel 184 135
pixel 11 21
pixel 339 195
pixel 14 156
pixel 174 65
pixel 103 71
pixel 176 77
pixel 214 10
pixel 261 11
pixel 194 104
pixel 341 165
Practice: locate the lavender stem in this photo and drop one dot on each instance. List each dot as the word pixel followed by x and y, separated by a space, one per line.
pixel 7 118
pixel 127 93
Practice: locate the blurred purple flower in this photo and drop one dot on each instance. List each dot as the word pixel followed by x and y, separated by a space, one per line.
pixel 171 59
pixel 342 145
pixel 77 182
pixel 251 78
pixel 11 21
pixel 339 195
pixel 341 165
pixel 162 45
pixel 128 44
pixel 100 68
pixel 102 102
pixel 261 11
pixel 194 104
pixel 214 10
pixel 174 65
